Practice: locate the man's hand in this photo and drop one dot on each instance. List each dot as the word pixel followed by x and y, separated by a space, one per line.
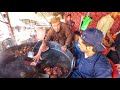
pixel 106 43
pixel 37 57
pixel 112 48
pixel 111 41
pixel 118 67
pixel 64 48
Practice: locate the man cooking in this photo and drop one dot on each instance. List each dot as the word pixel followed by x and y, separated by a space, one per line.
pixel 59 32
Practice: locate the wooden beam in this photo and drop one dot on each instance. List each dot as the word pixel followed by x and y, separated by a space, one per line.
pixel 11 29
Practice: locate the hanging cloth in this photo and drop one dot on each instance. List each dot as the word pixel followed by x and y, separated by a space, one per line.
pixel 86 21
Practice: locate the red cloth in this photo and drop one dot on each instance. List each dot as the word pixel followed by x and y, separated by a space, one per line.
pixel 114 73
pixel 105 51
pixel 76 16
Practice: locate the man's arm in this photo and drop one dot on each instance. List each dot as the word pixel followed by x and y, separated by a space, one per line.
pixel 105 42
pixel 48 36
pixel 43 46
pixel 45 41
pixel 110 37
pixel 68 34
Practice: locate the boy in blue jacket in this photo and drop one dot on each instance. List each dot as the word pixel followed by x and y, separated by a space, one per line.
pixel 91 62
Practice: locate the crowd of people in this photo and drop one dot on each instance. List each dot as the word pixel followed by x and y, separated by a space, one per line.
pixel 87 46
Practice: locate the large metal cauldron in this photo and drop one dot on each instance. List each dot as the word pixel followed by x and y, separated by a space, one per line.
pixel 11 66
pixel 53 57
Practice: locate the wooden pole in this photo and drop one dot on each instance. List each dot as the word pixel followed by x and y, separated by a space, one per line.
pixel 11 29
pixel 3 22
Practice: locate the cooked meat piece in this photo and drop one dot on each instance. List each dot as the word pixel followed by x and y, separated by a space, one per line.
pixel 54 72
pixel 59 72
pixel 65 70
pixel 16 53
pixel 49 72
pixel 53 76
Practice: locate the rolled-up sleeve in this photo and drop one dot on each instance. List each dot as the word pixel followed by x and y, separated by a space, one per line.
pixel 48 36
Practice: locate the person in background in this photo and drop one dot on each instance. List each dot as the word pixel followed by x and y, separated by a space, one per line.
pixel 104 25
pixel 92 63
pixel 70 22
pixel 60 33
pixel 114 53
pixel 76 47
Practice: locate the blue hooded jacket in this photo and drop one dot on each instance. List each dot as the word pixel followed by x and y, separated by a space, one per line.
pixel 96 66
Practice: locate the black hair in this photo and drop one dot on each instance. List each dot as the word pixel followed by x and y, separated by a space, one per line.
pixel 77 33
pixel 69 15
pixel 87 44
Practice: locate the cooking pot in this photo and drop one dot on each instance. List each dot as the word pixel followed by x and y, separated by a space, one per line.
pixel 11 66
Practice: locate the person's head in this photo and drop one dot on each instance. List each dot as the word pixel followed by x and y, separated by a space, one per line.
pixel 91 41
pixel 114 14
pixel 68 17
pixel 55 22
pixel 76 35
